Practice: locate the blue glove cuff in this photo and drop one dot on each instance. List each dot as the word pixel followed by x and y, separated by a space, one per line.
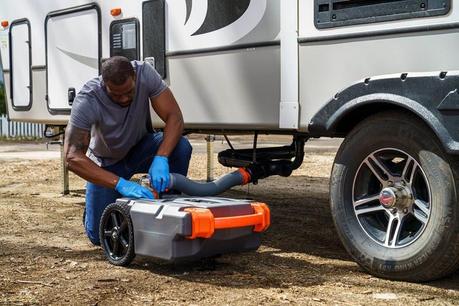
pixel 164 158
pixel 120 183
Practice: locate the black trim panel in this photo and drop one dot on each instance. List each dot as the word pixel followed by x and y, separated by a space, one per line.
pixel 339 13
pixel 67 11
pixel 424 96
pixel 154 34
pixel 131 54
pixel 6 71
pixel 424 28
pixel 15 23
pixel 225 48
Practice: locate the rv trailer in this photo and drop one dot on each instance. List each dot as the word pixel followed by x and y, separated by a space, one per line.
pixel 382 74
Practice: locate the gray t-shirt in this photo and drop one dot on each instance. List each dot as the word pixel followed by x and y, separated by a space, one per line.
pixel 115 129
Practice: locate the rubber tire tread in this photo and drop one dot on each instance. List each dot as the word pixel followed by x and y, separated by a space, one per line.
pixel 430 259
pixel 124 208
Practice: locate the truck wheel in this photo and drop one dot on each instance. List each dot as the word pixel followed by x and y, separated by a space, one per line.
pixel 117 235
pixel 393 199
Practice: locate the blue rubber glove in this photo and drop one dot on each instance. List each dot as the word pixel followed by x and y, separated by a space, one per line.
pixel 159 173
pixel 133 190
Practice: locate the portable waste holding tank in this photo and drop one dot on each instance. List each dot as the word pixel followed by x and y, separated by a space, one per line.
pixel 181 228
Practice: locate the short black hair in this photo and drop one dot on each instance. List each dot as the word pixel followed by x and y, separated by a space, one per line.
pixel 117 69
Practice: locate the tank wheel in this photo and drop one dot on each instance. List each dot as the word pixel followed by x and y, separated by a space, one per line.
pixel 116 234
pixel 393 199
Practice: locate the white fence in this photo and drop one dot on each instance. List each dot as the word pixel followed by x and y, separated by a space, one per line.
pixel 12 129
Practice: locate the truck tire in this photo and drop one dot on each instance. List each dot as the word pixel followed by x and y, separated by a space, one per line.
pixel 393 199
pixel 117 234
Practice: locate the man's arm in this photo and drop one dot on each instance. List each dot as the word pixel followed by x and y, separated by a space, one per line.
pixel 168 110
pixel 75 147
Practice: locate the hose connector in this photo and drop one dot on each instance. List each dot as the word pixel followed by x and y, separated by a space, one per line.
pixel 246 177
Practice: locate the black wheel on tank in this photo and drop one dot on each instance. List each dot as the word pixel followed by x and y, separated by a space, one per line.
pixel 393 199
pixel 116 234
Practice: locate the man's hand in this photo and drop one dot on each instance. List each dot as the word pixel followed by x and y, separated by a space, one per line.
pixel 133 190
pixel 159 173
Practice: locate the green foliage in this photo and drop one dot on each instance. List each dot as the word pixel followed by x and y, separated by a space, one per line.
pixel 2 99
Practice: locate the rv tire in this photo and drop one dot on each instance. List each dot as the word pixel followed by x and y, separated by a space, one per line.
pixel 393 199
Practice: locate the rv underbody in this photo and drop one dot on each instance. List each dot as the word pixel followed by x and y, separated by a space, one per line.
pixel 382 75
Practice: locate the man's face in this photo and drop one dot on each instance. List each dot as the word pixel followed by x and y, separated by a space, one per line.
pixel 122 94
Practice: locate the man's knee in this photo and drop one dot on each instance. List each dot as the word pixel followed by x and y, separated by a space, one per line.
pixel 97 198
pixel 184 148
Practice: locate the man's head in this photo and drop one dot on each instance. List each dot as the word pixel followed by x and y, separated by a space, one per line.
pixel 119 78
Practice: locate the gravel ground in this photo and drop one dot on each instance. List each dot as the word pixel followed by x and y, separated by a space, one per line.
pixel 45 257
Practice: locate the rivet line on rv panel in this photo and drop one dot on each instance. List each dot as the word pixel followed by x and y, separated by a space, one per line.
pixel 225 48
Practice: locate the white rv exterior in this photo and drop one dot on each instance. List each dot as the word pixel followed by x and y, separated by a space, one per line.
pixel 66 49
pixel 381 73
pixel 266 70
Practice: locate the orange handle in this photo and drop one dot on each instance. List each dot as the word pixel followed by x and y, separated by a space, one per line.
pixel 204 224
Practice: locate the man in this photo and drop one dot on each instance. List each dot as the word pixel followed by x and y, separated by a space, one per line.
pixel 107 139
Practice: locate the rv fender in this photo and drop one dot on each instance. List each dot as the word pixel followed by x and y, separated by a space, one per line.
pixel 428 97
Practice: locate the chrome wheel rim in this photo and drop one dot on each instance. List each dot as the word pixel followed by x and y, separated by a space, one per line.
pixel 391 198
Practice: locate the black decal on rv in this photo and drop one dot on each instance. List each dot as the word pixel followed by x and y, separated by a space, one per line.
pixel 189 4
pixel 221 13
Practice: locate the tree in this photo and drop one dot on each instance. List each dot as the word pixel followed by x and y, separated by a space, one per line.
pixel 2 99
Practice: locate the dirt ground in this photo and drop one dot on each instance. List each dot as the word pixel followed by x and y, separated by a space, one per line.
pixel 45 257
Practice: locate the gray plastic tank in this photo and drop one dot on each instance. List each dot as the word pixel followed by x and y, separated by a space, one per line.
pixel 188 228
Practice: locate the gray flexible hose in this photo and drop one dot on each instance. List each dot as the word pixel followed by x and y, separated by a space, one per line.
pixel 189 187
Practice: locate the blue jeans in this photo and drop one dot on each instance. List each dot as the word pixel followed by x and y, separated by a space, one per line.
pixel 138 160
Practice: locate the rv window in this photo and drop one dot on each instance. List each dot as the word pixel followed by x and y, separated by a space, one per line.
pixel 20 52
pixel 124 38
pixel 337 13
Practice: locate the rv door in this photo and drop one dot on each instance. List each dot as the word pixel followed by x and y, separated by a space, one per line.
pixel 73 52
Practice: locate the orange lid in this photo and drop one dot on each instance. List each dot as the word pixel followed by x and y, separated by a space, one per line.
pixel 204 224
